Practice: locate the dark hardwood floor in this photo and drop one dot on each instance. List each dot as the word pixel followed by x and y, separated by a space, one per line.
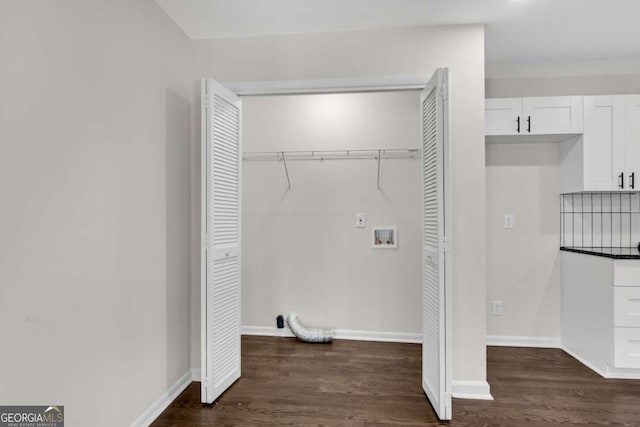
pixel 356 383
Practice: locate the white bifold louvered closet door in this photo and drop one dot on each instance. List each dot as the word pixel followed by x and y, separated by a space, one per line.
pixel 220 293
pixel 436 324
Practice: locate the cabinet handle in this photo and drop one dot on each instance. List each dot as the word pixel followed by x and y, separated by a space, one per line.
pixel 518 120
pixel 529 124
pixel 632 180
pixel 621 181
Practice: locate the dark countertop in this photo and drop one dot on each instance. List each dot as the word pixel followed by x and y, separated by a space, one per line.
pixel 615 253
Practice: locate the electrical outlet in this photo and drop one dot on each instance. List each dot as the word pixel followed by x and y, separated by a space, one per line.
pixel 509 221
pixel 361 220
pixel 496 308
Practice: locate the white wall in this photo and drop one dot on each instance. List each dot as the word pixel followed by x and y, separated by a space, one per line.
pixel 301 249
pixel 408 51
pixel 523 263
pixel 599 84
pixel 610 68
pixel 94 183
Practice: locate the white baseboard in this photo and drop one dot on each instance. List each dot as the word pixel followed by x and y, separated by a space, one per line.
pixel 402 337
pixel 266 331
pixel 196 374
pixel 340 334
pixel 166 398
pixel 477 390
pixel 623 374
pixel 609 372
pixel 522 341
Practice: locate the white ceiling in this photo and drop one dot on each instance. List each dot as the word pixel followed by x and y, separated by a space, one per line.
pixel 517 31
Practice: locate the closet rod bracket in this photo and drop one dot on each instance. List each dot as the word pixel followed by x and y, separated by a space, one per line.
pixel 286 170
pixel 379 160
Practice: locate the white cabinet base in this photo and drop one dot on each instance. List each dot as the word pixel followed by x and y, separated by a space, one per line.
pixel 598 314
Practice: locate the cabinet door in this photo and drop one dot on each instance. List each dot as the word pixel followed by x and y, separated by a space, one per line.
pixel 552 115
pixel 502 115
pixel 632 142
pixel 627 306
pixel 627 348
pixel 603 142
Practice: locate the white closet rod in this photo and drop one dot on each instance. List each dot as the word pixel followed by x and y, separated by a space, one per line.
pixel 411 153
pixel 284 156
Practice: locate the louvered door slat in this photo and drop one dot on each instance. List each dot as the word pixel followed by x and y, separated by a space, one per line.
pixel 223 303
pixel 225 158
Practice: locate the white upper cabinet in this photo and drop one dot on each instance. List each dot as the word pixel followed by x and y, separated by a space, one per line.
pixel 603 142
pixel 632 142
pixel 503 116
pixel 552 115
pixel 607 156
pixel 534 116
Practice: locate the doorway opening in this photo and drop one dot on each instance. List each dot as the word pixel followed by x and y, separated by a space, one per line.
pixel 302 245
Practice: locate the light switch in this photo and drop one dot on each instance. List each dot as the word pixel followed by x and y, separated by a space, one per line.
pixel 361 220
pixel 508 221
pixel 496 308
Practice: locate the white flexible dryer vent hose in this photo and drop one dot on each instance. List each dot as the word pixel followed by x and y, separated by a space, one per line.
pixel 308 334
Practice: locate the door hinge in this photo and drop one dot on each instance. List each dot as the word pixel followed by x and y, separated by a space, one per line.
pixel 444 92
pixel 206 241
pixel 445 244
pixel 205 100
